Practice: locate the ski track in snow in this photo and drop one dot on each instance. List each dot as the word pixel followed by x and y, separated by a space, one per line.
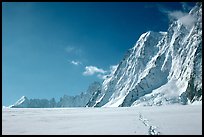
pixel 152 130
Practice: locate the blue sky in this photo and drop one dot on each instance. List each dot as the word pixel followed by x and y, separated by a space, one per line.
pixel 52 49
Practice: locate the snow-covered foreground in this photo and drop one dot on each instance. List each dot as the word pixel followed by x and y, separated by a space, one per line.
pixel 171 119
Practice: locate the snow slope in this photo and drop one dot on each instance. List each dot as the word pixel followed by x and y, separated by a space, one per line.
pixel 140 120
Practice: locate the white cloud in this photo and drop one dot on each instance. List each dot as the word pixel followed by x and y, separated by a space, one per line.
pixel 91 70
pixel 113 68
pixel 75 62
pixel 176 14
pixel 186 19
pixel 109 73
pixel 102 74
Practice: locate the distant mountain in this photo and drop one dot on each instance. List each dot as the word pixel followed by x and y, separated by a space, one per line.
pixel 80 100
pixel 162 68
pixel 65 101
pixel 24 102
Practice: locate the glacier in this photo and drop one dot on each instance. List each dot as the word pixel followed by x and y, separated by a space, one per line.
pixel 162 68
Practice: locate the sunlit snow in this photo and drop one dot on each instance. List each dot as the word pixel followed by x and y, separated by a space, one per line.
pixel 170 119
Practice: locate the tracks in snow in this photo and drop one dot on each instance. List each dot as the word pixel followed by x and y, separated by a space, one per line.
pixel 152 130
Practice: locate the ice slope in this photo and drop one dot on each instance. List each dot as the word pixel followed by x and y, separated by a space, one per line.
pixel 162 120
pixel 162 67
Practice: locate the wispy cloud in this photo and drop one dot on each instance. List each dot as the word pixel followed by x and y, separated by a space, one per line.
pixel 73 50
pixel 176 14
pixel 91 70
pixel 102 76
pixel 101 73
pixel 182 15
pixel 109 73
pixel 188 20
pixel 185 6
pixel 76 63
pixel 113 68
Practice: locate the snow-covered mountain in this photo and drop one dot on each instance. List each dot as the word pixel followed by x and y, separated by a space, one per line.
pixel 24 102
pixel 66 101
pixel 162 68
pixel 80 100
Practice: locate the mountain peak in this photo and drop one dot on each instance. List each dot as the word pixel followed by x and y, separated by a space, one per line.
pixel 160 68
pixel 21 100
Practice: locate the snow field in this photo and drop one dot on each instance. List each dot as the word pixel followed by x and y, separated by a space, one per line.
pixel 170 119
